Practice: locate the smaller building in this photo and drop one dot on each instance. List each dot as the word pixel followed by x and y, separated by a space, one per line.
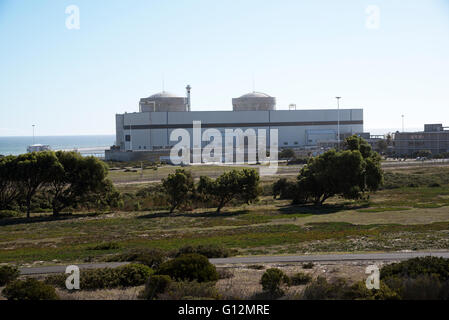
pixel 434 138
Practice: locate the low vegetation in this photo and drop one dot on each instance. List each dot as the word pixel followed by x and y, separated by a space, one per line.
pixel 29 289
pixel 8 274
pixel 190 267
pixel 130 275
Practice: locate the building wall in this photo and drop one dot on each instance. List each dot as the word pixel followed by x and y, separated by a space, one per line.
pixel 151 130
pixel 407 143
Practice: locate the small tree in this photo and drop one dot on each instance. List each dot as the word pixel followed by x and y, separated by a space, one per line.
pixel 272 280
pixel 80 180
pixel 34 171
pixel 179 187
pixel 9 189
pixel 347 173
pixel 287 154
pixel 234 184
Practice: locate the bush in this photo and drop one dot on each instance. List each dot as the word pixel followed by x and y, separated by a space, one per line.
pixel 8 214
pixel 308 265
pixel 284 188
pixel 30 289
pixel 149 257
pixel 190 290
pixel 321 289
pixel 416 267
pixel 105 246
pixel 130 275
pixel 300 278
pixel 209 251
pixel 155 285
pixel 189 267
pixel 8 274
pixel 272 280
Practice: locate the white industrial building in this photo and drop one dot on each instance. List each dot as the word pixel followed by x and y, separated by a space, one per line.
pixel 146 134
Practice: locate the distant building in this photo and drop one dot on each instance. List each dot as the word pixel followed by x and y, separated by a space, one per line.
pixel 434 138
pixel 146 134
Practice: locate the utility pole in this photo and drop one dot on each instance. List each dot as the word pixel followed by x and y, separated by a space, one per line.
pixel 338 121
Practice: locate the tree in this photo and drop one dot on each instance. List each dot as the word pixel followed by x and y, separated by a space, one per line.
pixel 179 187
pixel 287 154
pixel 79 180
pixel 33 171
pixel 9 190
pixel 348 173
pixel 382 146
pixel 234 184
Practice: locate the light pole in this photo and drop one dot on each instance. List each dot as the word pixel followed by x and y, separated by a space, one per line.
pixel 402 123
pixel 33 132
pixel 338 121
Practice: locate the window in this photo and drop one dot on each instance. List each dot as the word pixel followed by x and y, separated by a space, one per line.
pixel 127 137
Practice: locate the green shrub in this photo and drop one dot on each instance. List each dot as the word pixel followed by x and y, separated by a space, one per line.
pixel 189 267
pixel 105 246
pixel 149 257
pixel 8 214
pixel 308 265
pixel 300 278
pixel 321 289
pixel 272 280
pixel 190 290
pixel 155 285
pixel 132 275
pixel 129 275
pixel 209 251
pixel 415 267
pixel 29 289
pixel 8 274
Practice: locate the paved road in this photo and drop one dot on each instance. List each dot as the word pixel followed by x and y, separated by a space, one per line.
pixel 261 259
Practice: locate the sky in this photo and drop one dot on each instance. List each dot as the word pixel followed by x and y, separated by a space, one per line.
pixel 389 57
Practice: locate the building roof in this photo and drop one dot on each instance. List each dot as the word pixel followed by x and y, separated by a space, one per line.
pixel 164 94
pixel 255 94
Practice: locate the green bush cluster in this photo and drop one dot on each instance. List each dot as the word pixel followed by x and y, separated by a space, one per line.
pixel 147 256
pixel 57 180
pixel 272 280
pixel 29 289
pixel 8 274
pixel 209 251
pixel 349 173
pixel 154 286
pixel 189 290
pixel 321 289
pixel 300 278
pixel 191 267
pixel 130 275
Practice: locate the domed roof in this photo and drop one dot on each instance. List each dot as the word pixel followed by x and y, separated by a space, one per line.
pixel 163 94
pixel 255 94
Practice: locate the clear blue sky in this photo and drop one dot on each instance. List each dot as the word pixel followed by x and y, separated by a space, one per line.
pixel 304 52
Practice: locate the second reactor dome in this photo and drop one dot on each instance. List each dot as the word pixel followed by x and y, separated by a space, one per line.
pixel 254 101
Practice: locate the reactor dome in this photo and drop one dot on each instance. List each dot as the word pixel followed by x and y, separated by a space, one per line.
pixel 162 102
pixel 254 101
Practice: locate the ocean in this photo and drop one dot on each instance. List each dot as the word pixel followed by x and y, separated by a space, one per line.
pixel 86 145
